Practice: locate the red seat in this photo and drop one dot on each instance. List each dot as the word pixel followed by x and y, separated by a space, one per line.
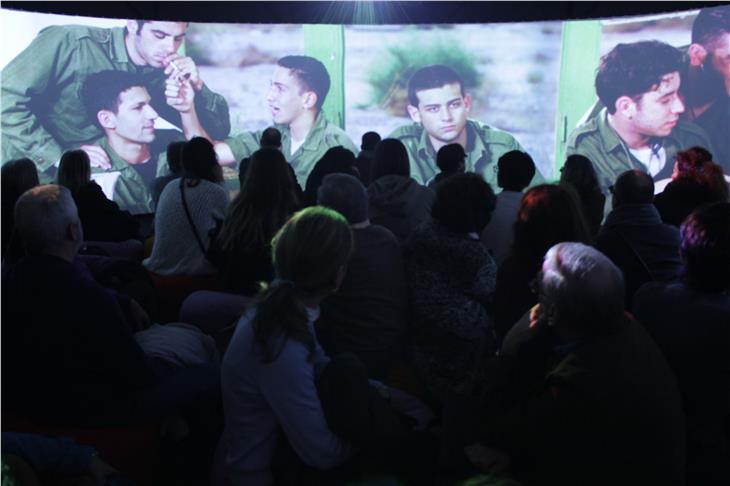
pixel 173 290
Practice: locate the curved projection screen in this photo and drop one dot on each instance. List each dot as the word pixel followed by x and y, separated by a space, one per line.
pixel 122 90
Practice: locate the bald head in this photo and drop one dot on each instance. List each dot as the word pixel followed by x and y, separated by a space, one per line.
pixel 633 187
pixel 47 221
pixel 585 289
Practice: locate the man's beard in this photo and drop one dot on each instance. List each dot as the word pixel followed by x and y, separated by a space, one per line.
pixel 705 84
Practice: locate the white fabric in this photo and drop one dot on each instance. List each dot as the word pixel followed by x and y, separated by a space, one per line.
pixel 654 160
pixel 497 235
pixel 182 345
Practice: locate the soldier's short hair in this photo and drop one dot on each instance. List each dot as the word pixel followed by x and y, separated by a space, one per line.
pixel 429 77
pixel 311 74
pixel 710 24
pixel 101 90
pixel 634 69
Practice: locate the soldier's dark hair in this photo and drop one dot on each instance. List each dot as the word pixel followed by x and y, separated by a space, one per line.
pixel 311 74
pixel 634 69
pixel 464 203
pixel 515 170
pixel 101 90
pixel 429 77
pixel 140 23
pixel 710 24
pixel 450 156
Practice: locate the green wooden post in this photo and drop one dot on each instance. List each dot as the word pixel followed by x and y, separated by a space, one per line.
pixel 579 60
pixel 327 43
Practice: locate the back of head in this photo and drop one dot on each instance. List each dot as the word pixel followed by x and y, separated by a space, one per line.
pixel 174 157
pixel 633 187
pixel 337 160
pixel 634 69
pixel 450 158
pixel 309 253
pixel 579 172
pixel 515 170
pixel 369 141
pixel 710 25
pixel 429 77
pixel 17 176
pixel 311 74
pixel 584 289
pixel 74 171
pixel 266 199
pixel 464 203
pixel 42 217
pixel 271 138
pixel 346 195
pixel 695 167
pixel 391 158
pixel 548 214
pixel 705 248
pixel 200 161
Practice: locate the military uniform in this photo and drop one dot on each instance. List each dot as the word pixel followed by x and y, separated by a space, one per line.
pixel 598 141
pixel 130 191
pixel 484 146
pixel 42 111
pixel 322 137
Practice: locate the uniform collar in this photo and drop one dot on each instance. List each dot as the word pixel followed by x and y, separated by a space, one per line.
pixel 474 143
pixel 117 162
pixel 609 138
pixel 118 46
pixel 313 139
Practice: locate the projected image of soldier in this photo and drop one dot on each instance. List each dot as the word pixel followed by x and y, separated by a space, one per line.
pixel 439 108
pixel 299 86
pixel 707 92
pixel 120 104
pixel 640 126
pixel 42 115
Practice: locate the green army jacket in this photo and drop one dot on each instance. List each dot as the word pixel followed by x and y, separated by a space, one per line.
pixel 42 111
pixel 598 141
pixel 484 146
pixel 322 137
pixel 130 191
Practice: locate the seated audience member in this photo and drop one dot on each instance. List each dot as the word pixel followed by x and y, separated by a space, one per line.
pixel 271 138
pixel 335 160
pixel 17 177
pixel 578 171
pixel 634 237
pixel 174 164
pixel 450 161
pixel 581 393
pixel 101 218
pixel 451 278
pixel 364 161
pixel 696 180
pixel 397 201
pixel 270 367
pixel 368 316
pixel 75 360
pixel 242 249
pixel 690 322
pixel 515 170
pixel 548 214
pixel 190 207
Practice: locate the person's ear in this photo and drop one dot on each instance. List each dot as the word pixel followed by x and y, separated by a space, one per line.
pixel 467 102
pixel 414 113
pixel 107 119
pixel 697 55
pixel 74 232
pixel 309 100
pixel 340 277
pixel 132 26
pixel 626 106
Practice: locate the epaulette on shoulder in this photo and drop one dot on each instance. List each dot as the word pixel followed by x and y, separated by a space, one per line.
pixel 586 128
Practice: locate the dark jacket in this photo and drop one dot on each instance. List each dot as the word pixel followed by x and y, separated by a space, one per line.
pixel 101 218
pixel 693 331
pixel 400 204
pixel 644 248
pixel 679 199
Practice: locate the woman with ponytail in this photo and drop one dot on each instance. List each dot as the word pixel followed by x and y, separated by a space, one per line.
pixel 268 372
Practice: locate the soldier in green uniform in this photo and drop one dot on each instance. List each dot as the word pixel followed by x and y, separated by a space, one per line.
pixel 640 126
pixel 42 114
pixel 120 104
pixel 439 107
pixel 299 87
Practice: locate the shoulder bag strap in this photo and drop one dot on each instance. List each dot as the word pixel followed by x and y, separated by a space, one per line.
pixel 190 219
